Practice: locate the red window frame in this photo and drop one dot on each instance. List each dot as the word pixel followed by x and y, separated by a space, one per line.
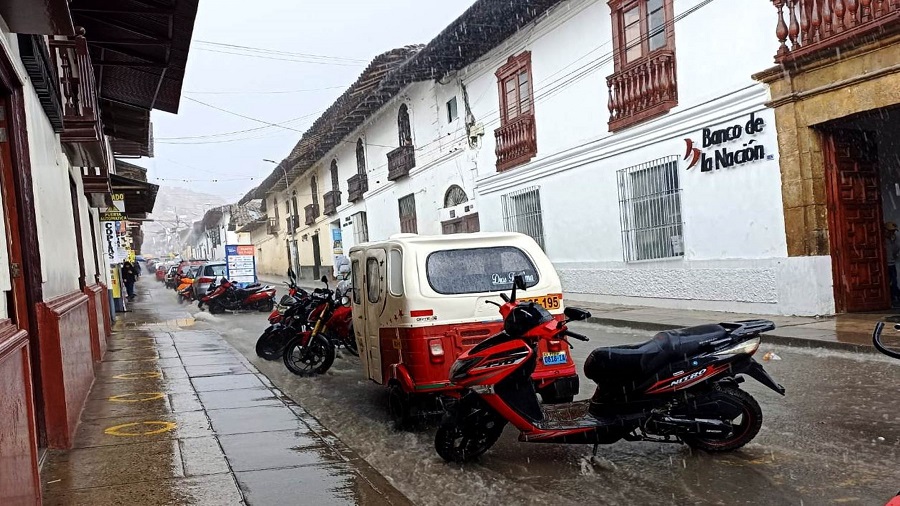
pixel 618 10
pixel 509 81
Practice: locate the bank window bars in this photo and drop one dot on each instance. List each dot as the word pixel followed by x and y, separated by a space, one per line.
pixel 522 213
pixel 650 210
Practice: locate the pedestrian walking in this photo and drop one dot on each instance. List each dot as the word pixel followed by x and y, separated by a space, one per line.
pixel 892 253
pixel 129 276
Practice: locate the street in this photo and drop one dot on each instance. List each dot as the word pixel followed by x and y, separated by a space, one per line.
pixel 835 437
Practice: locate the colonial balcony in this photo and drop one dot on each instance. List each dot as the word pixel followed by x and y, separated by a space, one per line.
pixel 643 90
pixel 400 162
pixel 81 114
pixel 272 227
pixel 812 28
pixel 331 201
pixel 96 182
pixel 516 142
pixel 312 212
pixel 357 186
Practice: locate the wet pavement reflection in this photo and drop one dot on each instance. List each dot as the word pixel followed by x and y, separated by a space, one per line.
pixel 177 416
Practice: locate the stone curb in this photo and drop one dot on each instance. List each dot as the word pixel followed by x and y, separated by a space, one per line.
pixel 772 338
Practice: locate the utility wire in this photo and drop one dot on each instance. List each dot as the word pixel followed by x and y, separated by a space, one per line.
pixel 237 47
pixel 254 92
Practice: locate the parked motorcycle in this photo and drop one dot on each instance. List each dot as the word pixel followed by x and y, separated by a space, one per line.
pixel 227 296
pixel 681 386
pixel 312 351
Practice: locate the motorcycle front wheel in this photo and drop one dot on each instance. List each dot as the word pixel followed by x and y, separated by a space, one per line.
pixel 455 443
pixel 267 345
pixel 744 427
pixel 316 358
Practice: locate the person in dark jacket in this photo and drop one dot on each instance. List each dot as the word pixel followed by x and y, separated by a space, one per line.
pixel 129 276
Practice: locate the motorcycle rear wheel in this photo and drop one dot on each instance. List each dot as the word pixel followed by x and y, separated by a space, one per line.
pixel 743 431
pixel 454 444
pixel 350 342
pixel 216 308
pixel 316 358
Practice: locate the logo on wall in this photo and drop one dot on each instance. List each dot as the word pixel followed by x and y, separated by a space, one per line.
pixel 726 156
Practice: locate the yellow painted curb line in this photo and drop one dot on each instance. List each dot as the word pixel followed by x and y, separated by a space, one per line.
pixel 118 430
pixel 138 375
pixel 145 396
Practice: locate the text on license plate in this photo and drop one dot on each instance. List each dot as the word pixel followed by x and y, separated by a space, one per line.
pixel 554 358
pixel 551 301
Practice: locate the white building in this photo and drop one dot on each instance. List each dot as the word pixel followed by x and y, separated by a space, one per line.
pixel 625 137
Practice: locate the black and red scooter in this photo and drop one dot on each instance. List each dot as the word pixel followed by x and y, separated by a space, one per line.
pixel 682 386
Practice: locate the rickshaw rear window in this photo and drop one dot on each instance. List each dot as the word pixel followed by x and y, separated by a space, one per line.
pixel 478 270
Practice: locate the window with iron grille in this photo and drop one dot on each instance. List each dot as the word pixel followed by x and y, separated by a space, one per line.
pixel 360 228
pixel 522 213
pixel 408 223
pixel 650 210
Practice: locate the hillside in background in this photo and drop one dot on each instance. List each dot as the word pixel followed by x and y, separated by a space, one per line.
pixel 175 210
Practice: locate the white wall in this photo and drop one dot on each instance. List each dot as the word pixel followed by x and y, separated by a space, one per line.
pixel 735 250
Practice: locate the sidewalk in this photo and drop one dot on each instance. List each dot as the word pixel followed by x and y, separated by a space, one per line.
pixel 177 416
pixel 851 332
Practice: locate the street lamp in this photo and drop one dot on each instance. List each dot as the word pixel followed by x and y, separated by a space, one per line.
pixel 282 170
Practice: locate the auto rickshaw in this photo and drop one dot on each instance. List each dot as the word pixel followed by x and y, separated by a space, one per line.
pixel 184 291
pixel 420 301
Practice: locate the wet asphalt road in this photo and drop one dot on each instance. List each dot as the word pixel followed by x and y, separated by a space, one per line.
pixel 834 439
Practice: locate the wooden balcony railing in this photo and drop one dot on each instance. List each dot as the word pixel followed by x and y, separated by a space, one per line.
pixel 331 201
pixel 516 142
pixel 95 180
pixel 642 90
pixel 806 27
pixel 312 212
pixel 81 114
pixel 272 227
pixel 357 186
pixel 400 162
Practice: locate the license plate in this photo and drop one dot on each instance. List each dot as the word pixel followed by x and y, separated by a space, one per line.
pixel 549 302
pixel 554 358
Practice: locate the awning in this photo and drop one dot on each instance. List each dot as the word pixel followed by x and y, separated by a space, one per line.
pixel 45 17
pixel 139 51
pixel 140 196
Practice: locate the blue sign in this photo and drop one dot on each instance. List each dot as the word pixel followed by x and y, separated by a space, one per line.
pixel 240 263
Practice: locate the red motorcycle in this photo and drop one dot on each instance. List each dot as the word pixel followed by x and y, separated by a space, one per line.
pixel 681 386
pixel 227 296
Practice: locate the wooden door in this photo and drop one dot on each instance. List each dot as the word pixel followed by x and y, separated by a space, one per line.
pixel 855 222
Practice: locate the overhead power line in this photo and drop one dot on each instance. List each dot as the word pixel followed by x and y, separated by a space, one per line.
pixel 258 92
pixel 278 52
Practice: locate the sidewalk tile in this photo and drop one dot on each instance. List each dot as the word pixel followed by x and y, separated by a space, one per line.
pixel 254 419
pixel 235 382
pixel 272 450
pixel 243 398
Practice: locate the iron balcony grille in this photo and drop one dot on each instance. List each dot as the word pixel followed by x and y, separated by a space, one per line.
pixel 650 210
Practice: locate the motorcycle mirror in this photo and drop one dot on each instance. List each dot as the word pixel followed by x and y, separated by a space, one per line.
pixel 290 274
pixel 345 300
pixel 519 281
pixel 325 279
pixel 576 314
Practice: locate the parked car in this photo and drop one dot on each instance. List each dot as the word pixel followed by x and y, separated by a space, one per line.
pixel 209 271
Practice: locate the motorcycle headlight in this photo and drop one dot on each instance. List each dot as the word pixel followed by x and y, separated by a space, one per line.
pixel 459 368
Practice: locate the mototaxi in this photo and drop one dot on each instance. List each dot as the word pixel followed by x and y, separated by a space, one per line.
pixel 418 302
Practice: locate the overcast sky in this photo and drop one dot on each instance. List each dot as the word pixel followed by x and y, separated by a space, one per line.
pixel 339 37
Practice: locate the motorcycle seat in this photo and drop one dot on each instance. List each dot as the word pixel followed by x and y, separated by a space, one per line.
pixel 626 363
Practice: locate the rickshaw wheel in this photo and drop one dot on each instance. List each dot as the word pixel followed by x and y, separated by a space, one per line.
pixel 399 408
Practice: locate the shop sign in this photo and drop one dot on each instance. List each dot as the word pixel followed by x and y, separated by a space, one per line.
pixel 114 241
pixel 240 263
pixel 722 142
pixel 117 211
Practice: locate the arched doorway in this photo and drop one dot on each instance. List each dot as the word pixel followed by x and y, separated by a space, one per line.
pixel 459 215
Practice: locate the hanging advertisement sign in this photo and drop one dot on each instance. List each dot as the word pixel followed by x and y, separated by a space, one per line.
pixel 240 263
pixel 112 225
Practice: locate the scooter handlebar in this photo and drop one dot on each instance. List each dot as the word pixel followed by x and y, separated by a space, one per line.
pixel 575 335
